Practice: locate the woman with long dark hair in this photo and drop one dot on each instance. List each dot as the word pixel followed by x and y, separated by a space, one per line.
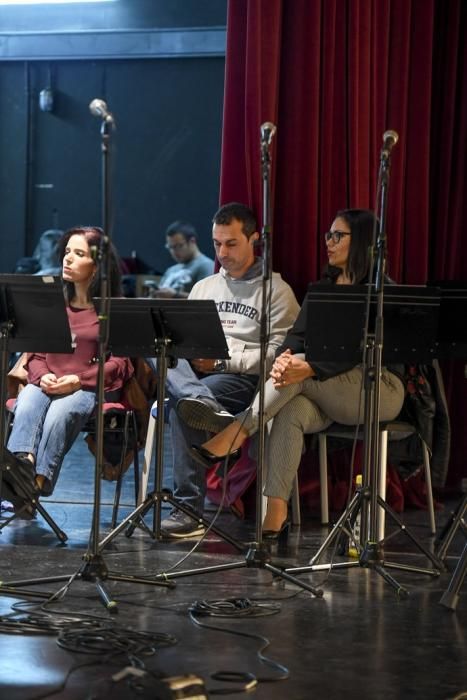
pixel 306 397
pixel 60 395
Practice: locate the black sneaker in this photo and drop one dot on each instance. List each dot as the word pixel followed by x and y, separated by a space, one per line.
pixel 200 414
pixel 180 525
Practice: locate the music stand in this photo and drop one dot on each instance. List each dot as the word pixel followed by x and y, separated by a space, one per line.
pixel 169 330
pixel 452 344
pixel 94 569
pixel 32 319
pixel 410 331
pixel 452 334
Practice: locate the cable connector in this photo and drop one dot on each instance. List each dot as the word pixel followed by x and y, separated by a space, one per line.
pixel 128 671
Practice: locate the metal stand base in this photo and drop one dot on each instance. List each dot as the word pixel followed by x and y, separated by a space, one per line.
pixel 257 556
pixel 370 554
pixel 155 500
pixel 93 569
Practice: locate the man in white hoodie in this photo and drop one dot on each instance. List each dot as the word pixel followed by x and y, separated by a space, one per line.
pixel 205 393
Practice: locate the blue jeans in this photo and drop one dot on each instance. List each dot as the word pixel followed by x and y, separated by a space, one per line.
pixel 232 392
pixel 47 427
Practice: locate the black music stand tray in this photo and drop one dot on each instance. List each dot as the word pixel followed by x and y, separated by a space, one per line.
pixel 168 330
pixel 452 332
pixel 452 344
pixel 171 330
pixel 32 319
pixel 335 324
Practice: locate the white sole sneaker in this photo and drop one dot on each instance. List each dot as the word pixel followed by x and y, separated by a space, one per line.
pixel 197 414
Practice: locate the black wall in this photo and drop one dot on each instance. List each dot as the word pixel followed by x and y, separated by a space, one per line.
pixel 159 68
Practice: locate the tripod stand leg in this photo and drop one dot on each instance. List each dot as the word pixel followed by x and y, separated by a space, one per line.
pixel 140 511
pixel 451 595
pixel 449 530
pixel 437 563
pixel 138 520
pixel 258 557
pixel 31 504
pixel 109 604
pixel 353 507
pixel 62 536
pixel 134 519
pixel 400 590
pixel 370 556
pixel 282 573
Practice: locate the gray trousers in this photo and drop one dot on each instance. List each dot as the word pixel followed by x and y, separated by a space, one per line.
pixel 309 407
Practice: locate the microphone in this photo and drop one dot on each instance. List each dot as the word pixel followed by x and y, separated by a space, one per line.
pixel 98 108
pixel 390 138
pixel 267 132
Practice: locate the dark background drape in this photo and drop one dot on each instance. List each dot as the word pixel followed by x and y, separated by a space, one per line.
pixel 333 75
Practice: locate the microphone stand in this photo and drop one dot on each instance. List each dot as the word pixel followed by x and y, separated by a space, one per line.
pixel 371 552
pixel 265 295
pixel 94 564
pixel 366 499
pixel 94 568
pixel 258 555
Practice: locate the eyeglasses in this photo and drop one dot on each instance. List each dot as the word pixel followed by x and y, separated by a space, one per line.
pixel 335 235
pixel 176 246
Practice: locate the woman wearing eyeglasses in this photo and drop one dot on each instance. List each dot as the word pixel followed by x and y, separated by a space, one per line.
pixel 306 397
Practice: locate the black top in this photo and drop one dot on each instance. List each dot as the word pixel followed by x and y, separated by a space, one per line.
pixel 295 340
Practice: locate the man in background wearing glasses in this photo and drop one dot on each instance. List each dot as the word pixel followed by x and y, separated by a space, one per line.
pixel 191 264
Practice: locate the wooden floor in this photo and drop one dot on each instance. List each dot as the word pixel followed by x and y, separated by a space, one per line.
pixel 361 639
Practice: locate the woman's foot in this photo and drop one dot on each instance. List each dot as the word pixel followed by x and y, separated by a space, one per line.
pixel 40 481
pixel 276 515
pixel 208 460
pixel 227 441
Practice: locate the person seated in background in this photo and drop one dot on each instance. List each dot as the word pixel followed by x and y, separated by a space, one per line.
pixel 60 395
pixel 191 264
pixel 301 396
pixel 44 260
pixel 225 386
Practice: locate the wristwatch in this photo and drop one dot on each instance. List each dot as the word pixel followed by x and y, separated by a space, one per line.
pixel 220 366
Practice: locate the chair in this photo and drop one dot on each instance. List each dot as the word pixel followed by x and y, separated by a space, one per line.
pixel 391 430
pixel 149 448
pixel 119 419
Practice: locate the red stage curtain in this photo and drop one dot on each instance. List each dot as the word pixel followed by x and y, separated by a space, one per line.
pixel 333 75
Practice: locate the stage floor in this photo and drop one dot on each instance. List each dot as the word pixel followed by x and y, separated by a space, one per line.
pixel 359 640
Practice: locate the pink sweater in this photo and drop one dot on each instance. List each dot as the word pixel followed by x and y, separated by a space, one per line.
pixel 84 326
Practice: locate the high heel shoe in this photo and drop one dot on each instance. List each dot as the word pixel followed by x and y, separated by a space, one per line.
pixel 280 535
pixel 201 455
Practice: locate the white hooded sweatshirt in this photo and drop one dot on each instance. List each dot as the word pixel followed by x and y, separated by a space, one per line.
pixel 239 303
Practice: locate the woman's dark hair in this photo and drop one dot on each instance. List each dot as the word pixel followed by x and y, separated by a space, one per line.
pixel 361 223
pixel 93 236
